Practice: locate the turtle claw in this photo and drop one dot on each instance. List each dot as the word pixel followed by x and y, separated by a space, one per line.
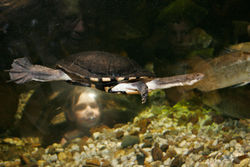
pixel 143 99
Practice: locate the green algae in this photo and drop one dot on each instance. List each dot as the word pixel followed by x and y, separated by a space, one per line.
pixel 184 112
pixel 23 99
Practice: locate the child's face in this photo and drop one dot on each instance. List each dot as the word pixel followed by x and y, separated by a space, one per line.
pixel 87 113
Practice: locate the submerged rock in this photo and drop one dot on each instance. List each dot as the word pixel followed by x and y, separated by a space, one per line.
pixel 129 141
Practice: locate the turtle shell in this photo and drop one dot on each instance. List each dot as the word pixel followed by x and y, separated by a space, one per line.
pixel 101 70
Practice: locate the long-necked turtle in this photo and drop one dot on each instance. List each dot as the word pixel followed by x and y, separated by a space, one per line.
pixel 104 71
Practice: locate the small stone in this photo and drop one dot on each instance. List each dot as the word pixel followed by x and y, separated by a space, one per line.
pixel 147 143
pixel 244 162
pixel 171 153
pixel 213 154
pixel 195 131
pixel 93 161
pixel 232 143
pixel 147 164
pixel 155 163
pixel 183 143
pixel 178 161
pixel 41 162
pixel 114 162
pixel 96 135
pixel 74 147
pixel 16 162
pixel 119 134
pixel 14 141
pixel 149 159
pixel 104 163
pixel 227 163
pixel 130 141
pixel 62 156
pixel 157 152
pixel 59 150
pixel 77 157
pixel 237 160
pixel 167 162
pixel 85 148
pixel 119 153
pixel 53 158
pixel 100 146
pixel 143 124
pixel 140 158
pixel 164 147
pixel 214 147
pixel 91 146
pixel 196 150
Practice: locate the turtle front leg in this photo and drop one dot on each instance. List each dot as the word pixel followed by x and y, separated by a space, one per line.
pixel 132 88
pixel 142 88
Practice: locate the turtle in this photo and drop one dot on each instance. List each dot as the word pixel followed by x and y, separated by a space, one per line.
pixel 101 70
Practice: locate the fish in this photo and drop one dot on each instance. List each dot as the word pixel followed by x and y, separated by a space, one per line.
pixel 230 103
pixel 244 47
pixel 226 70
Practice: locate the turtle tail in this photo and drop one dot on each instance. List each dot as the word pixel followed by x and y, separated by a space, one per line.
pixel 20 71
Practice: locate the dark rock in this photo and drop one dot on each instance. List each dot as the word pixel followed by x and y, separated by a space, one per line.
pixel 171 153
pixel 140 159
pixel 214 147
pixel 197 150
pixel 143 124
pixel 164 147
pixel 239 158
pixel 157 152
pixel 177 162
pixel 147 143
pixel 130 141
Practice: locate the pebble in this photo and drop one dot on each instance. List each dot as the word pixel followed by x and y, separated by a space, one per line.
pixel 244 163
pixel 156 164
pixel 74 147
pixel 96 135
pixel 183 143
pixel 52 158
pixel 77 157
pixel 93 162
pixel 130 141
pixel 62 156
pixel 157 152
pixel 41 162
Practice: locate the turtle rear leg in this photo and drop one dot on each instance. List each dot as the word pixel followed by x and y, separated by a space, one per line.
pixel 19 73
pixel 23 71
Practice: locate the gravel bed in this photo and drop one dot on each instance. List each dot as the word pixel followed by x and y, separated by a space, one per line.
pixel 158 136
